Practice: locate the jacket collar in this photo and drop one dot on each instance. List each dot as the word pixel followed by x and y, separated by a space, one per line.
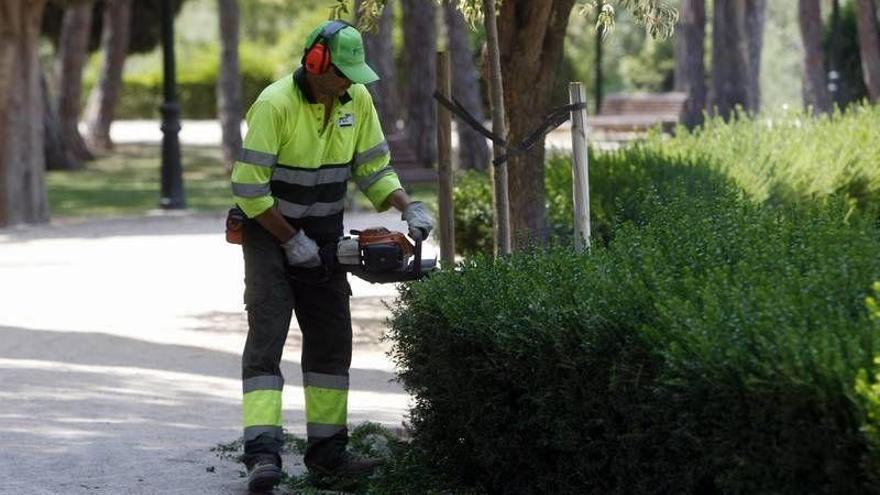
pixel 299 78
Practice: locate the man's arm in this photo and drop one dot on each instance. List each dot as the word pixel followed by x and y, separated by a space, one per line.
pixel 272 221
pixel 399 199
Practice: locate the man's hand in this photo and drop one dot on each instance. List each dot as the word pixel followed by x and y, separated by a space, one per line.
pixel 302 251
pixel 419 220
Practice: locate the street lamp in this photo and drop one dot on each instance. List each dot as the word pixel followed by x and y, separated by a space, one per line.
pixel 172 197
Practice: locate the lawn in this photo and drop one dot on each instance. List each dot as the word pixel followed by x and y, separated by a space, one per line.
pixel 127 183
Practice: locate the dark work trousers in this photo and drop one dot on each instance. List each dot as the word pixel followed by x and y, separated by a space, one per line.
pixel 324 317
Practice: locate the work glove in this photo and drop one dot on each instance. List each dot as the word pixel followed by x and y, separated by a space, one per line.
pixel 418 219
pixel 302 251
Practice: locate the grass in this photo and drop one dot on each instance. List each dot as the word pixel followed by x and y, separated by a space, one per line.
pixel 127 183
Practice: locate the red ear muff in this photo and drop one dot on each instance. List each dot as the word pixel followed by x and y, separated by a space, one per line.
pixel 318 59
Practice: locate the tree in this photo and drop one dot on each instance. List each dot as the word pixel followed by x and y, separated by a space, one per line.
pixel 73 49
pixel 816 95
pixel 869 46
pixel 472 149
pixel 380 55
pixel 22 162
pixel 56 151
pixel 114 45
pixel 420 53
pixel 229 105
pixel 730 58
pixel 755 16
pixel 531 37
pixel 690 70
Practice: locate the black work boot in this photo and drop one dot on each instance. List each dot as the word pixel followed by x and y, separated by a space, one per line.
pixel 347 465
pixel 263 473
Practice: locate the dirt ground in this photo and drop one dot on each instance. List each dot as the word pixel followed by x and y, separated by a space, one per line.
pixel 120 347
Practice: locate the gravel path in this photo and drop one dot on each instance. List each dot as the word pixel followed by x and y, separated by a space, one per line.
pixel 120 347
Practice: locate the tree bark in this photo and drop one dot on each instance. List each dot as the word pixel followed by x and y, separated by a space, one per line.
pixel 379 51
pixel 815 90
pixel 473 153
pixel 730 58
pixel 114 45
pixel 755 16
pixel 22 162
pixel 690 70
pixel 869 46
pixel 72 55
pixel 229 105
pixel 531 36
pixel 420 38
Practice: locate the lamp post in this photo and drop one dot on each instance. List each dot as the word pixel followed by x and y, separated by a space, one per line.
pixel 172 197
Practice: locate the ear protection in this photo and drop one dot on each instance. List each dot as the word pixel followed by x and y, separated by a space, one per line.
pixel 317 57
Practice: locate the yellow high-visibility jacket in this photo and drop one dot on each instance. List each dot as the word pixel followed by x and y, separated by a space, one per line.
pixel 290 157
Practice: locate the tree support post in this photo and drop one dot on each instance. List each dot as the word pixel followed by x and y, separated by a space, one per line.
pixel 499 128
pixel 444 165
pixel 172 197
pixel 580 168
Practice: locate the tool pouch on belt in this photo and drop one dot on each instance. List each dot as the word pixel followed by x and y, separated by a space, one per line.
pixel 234 226
pixel 319 274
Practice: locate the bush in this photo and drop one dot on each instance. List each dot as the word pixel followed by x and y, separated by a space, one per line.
pixel 792 158
pixel 198 70
pixel 615 180
pixel 789 160
pixel 472 200
pixel 712 347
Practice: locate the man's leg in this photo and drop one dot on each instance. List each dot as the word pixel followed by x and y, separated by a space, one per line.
pixel 324 316
pixel 269 300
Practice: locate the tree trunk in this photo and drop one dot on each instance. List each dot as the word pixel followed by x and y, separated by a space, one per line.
pixel 690 70
pixel 869 46
pixel 472 149
pixel 380 55
pixel 420 38
pixel 531 37
pixel 73 52
pixel 755 16
pixel 730 58
pixel 229 103
pixel 815 88
pixel 114 45
pixel 58 155
pixel 22 163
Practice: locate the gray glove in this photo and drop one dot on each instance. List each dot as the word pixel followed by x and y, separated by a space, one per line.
pixel 302 251
pixel 418 219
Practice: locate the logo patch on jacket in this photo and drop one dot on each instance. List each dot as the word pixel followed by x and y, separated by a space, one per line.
pixel 347 120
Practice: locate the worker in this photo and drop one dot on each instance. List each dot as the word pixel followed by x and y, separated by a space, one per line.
pixel 308 134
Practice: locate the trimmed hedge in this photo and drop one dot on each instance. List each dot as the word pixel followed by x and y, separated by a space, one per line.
pixel 714 346
pixel 788 160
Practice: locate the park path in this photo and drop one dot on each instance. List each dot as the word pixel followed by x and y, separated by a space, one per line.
pixel 120 347
pixel 208 133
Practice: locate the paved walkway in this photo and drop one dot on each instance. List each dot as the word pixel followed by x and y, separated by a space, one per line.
pixel 208 133
pixel 120 350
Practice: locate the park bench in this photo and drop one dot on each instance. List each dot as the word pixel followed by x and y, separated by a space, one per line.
pixel 406 164
pixel 636 113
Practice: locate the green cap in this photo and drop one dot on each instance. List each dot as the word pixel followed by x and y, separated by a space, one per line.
pixel 346 53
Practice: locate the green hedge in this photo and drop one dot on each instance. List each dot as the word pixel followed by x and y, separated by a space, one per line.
pixel 714 346
pixel 198 71
pixel 788 160
pixel 614 180
pixel 792 158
